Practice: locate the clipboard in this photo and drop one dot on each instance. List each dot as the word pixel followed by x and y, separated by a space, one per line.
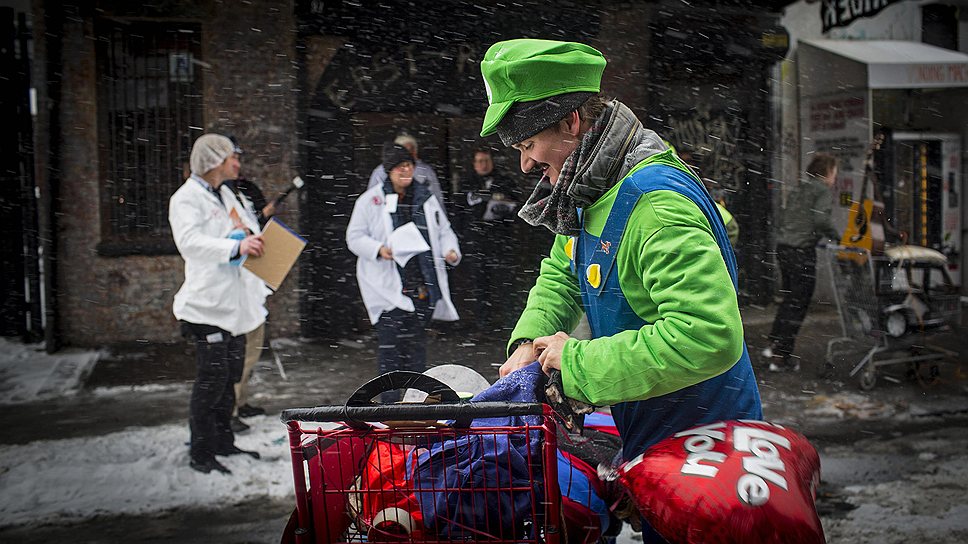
pixel 281 247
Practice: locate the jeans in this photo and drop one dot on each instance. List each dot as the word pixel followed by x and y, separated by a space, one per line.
pixel 402 338
pixel 219 359
pixel 798 272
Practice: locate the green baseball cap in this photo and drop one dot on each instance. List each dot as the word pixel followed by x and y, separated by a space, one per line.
pixel 527 70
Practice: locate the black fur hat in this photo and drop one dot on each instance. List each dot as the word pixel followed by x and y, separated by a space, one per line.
pixel 394 154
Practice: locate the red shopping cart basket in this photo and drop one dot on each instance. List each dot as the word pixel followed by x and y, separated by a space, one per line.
pixel 366 473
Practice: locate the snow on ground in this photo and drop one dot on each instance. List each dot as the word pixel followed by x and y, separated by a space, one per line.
pixel 136 471
pixel 28 374
pixel 118 390
pixel 848 405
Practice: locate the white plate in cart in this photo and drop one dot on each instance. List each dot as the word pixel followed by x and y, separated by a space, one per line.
pixel 467 382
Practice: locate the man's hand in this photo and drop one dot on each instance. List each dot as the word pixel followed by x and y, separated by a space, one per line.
pixel 251 245
pixel 549 350
pixel 385 253
pixel 451 257
pixel 269 210
pixel 522 357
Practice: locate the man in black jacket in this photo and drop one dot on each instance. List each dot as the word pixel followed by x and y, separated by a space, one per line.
pixel 489 203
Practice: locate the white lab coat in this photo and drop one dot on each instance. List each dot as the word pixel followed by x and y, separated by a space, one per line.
pixel 380 284
pixel 215 292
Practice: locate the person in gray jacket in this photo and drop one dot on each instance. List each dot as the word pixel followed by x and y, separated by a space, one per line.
pixel 805 222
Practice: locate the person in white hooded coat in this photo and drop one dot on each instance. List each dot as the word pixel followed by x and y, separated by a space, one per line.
pixel 401 300
pixel 220 301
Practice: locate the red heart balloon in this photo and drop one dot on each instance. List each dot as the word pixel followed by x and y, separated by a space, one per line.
pixel 729 482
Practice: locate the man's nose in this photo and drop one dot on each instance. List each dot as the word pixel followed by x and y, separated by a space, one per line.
pixel 527 163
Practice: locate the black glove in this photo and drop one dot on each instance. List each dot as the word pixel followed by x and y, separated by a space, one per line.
pixel 570 411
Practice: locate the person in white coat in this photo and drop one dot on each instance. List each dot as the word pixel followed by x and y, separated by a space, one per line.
pixel 402 299
pixel 219 302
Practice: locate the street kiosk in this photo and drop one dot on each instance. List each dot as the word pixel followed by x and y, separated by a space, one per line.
pixel 913 96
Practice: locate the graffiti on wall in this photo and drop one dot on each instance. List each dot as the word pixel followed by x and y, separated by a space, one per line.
pixel 712 140
pixel 377 74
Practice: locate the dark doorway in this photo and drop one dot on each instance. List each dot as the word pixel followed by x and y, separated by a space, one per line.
pixel 401 70
pixel 920 210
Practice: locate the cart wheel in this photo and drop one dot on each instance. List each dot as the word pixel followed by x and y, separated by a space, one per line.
pixel 826 370
pixel 868 377
pixel 896 324
pixel 926 378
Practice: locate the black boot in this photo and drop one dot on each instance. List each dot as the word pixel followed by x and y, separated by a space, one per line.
pixel 208 465
pixel 235 450
pixel 238 426
pixel 247 410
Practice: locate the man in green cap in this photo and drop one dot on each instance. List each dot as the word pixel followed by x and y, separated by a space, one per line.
pixel 640 249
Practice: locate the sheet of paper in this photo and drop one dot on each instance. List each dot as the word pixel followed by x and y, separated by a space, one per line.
pixel 391 202
pixel 405 242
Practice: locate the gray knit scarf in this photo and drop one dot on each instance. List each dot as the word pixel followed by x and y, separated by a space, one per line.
pixel 616 142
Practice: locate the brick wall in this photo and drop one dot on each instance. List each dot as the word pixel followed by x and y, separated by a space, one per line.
pixel 250 92
pixel 249 81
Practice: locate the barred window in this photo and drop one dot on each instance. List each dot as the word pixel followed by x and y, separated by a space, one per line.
pixel 150 112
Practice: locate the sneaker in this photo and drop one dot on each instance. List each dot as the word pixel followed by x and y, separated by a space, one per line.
pixel 208 465
pixel 238 426
pixel 247 410
pixel 785 366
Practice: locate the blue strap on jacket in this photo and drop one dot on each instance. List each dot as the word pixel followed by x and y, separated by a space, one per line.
pixel 730 395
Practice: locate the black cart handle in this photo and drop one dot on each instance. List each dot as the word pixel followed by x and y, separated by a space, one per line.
pixel 463 411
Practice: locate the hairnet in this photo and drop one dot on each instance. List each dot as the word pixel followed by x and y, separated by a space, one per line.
pixel 209 151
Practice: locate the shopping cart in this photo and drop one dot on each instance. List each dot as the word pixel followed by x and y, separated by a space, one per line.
pixel 362 476
pixel 891 304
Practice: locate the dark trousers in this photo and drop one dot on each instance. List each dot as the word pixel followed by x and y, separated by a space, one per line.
pixel 402 338
pixel 798 272
pixel 219 360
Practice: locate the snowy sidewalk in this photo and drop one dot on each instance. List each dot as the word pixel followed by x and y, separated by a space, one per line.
pixel 29 374
pixel 136 471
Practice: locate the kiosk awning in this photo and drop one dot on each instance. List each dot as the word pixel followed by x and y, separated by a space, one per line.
pixel 894 64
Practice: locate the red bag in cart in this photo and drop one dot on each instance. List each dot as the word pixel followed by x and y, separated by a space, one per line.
pixel 729 482
pixel 381 500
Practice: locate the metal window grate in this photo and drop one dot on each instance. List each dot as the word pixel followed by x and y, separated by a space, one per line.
pixel 149 103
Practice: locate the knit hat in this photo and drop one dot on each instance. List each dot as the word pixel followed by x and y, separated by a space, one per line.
pixel 209 151
pixel 532 84
pixel 394 154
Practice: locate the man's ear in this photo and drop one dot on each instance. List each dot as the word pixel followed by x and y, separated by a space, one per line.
pixel 572 123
